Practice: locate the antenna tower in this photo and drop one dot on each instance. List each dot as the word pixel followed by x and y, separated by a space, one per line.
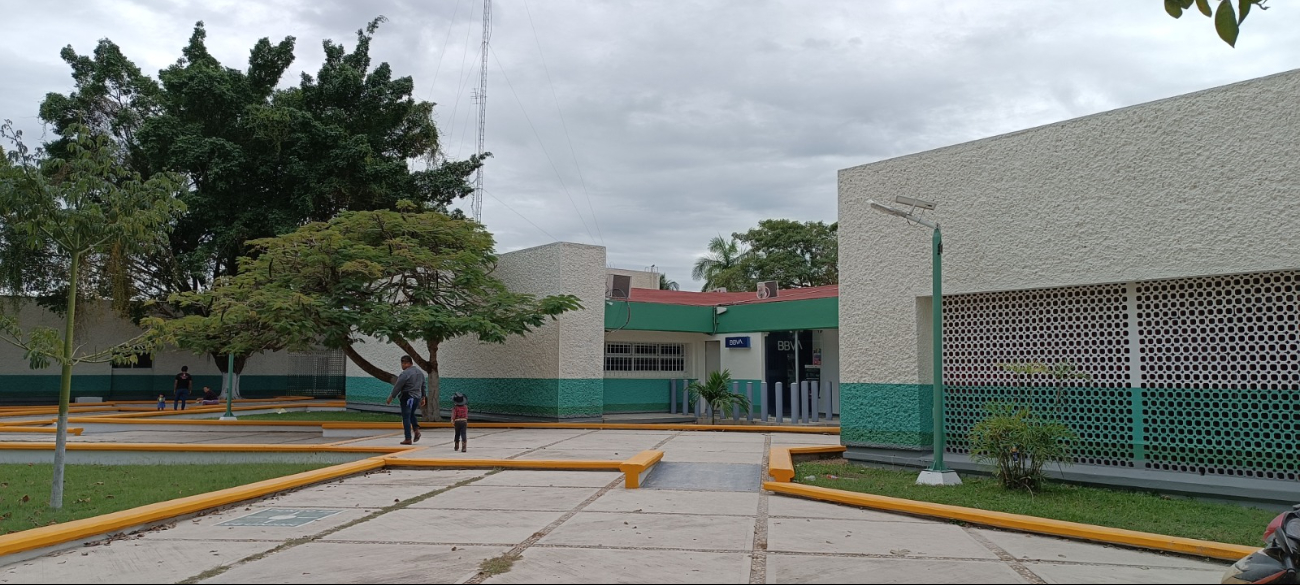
pixel 480 97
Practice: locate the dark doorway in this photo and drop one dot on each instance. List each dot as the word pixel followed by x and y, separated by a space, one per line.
pixel 779 362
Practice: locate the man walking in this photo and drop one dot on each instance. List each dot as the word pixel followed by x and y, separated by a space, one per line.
pixel 409 388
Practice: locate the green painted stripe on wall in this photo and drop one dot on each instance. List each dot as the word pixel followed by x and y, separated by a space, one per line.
pixel 539 397
pixel 45 387
pixel 636 395
pixel 781 316
pixel 656 317
pixel 886 415
pixel 775 316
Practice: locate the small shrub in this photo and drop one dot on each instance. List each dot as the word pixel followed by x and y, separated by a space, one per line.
pixel 716 391
pixel 1018 444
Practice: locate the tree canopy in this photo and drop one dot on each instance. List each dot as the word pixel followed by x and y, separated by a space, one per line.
pixel 403 277
pixel 262 159
pixel 795 254
pixel 88 212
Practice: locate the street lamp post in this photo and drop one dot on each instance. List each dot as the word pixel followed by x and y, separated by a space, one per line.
pixel 230 386
pixel 938 473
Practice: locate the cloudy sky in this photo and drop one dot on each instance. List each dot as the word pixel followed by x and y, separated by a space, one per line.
pixel 650 126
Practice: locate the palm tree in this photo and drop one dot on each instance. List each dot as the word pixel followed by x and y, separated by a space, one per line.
pixel 716 391
pixel 723 256
pixel 665 284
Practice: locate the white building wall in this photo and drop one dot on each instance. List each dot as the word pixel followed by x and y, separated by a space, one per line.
pixel 1200 184
pixel 640 278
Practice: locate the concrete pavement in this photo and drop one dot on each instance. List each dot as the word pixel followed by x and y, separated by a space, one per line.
pixel 419 526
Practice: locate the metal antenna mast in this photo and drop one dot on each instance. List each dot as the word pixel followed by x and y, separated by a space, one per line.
pixel 481 98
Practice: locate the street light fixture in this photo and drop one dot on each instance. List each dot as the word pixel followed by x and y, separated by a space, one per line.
pixel 938 473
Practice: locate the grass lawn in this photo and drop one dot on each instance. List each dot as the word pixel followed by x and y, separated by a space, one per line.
pixel 1142 511
pixel 91 490
pixel 335 416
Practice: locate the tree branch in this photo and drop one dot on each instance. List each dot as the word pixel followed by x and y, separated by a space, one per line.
pixel 368 367
pixel 410 350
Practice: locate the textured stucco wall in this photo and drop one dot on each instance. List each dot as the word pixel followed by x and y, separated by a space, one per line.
pixel 1204 183
pixel 744 364
pixel 100 328
pixel 640 278
pixel 555 371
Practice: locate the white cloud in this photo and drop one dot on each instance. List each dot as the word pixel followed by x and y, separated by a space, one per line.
pixel 690 119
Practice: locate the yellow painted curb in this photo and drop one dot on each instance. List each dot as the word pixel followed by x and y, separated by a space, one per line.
pixel 203 448
pixel 780 460
pixel 633 469
pixel 51 430
pixel 597 426
pixel 222 408
pixel 195 422
pixel 1203 548
pixel 44 536
pixel 545 464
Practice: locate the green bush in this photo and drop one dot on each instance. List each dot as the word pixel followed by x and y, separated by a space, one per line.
pixel 1018 444
pixel 716 391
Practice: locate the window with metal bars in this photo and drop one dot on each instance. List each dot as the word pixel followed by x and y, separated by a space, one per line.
pixel 645 357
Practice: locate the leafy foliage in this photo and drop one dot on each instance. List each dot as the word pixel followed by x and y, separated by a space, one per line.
pixel 398 276
pixel 1018 444
pixel 665 284
pixel 723 257
pixel 90 208
pixel 1227 20
pixel 795 254
pixel 262 160
pixel 716 391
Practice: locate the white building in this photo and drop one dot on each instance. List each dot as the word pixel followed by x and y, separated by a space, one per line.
pixel 1154 247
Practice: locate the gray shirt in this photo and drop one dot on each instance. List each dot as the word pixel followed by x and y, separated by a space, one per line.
pixel 410 383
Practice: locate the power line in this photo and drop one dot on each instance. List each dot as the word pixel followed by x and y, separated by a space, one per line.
pixel 563 124
pixel 443 52
pixel 525 218
pixel 460 88
pixel 542 145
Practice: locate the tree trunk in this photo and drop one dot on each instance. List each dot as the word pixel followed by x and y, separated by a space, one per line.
pixel 222 360
pixel 368 367
pixel 432 411
pixel 65 388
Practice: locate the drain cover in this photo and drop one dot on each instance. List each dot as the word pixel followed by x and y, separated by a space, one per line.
pixel 280 517
pixel 705 477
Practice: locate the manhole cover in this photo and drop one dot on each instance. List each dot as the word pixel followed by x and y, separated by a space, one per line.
pixel 705 477
pixel 280 517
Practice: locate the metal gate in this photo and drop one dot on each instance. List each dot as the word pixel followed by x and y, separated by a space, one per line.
pixel 318 373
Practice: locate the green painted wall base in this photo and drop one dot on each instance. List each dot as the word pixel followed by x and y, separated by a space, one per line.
pixel 890 415
pixel 44 388
pixel 528 397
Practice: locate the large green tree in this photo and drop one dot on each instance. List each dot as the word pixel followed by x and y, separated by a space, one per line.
pixel 88 209
pixel 415 277
pixel 262 158
pixel 795 254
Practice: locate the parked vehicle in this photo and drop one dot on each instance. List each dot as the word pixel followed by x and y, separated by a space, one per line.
pixel 1276 562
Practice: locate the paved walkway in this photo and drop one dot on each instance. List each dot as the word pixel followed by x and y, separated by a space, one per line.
pixel 700 519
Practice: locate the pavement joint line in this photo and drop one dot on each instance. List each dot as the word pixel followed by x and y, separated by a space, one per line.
pixel 288 544
pixel 1005 556
pixel 362 439
pixel 517 552
pixel 758 553
pixel 536 449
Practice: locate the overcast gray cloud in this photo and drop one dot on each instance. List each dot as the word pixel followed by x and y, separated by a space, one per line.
pixel 689 119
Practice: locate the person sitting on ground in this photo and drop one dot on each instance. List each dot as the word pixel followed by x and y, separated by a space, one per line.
pixel 460 419
pixel 210 397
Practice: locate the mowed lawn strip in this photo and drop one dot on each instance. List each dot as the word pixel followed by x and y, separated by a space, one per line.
pixel 92 490
pixel 1132 510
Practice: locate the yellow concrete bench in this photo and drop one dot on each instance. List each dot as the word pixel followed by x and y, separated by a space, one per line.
pixel 780 461
pixel 638 467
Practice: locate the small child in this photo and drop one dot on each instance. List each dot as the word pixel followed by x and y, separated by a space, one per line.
pixel 460 419
pixel 162 402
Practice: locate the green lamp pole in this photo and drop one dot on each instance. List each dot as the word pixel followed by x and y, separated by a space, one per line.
pixel 938 473
pixel 230 386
